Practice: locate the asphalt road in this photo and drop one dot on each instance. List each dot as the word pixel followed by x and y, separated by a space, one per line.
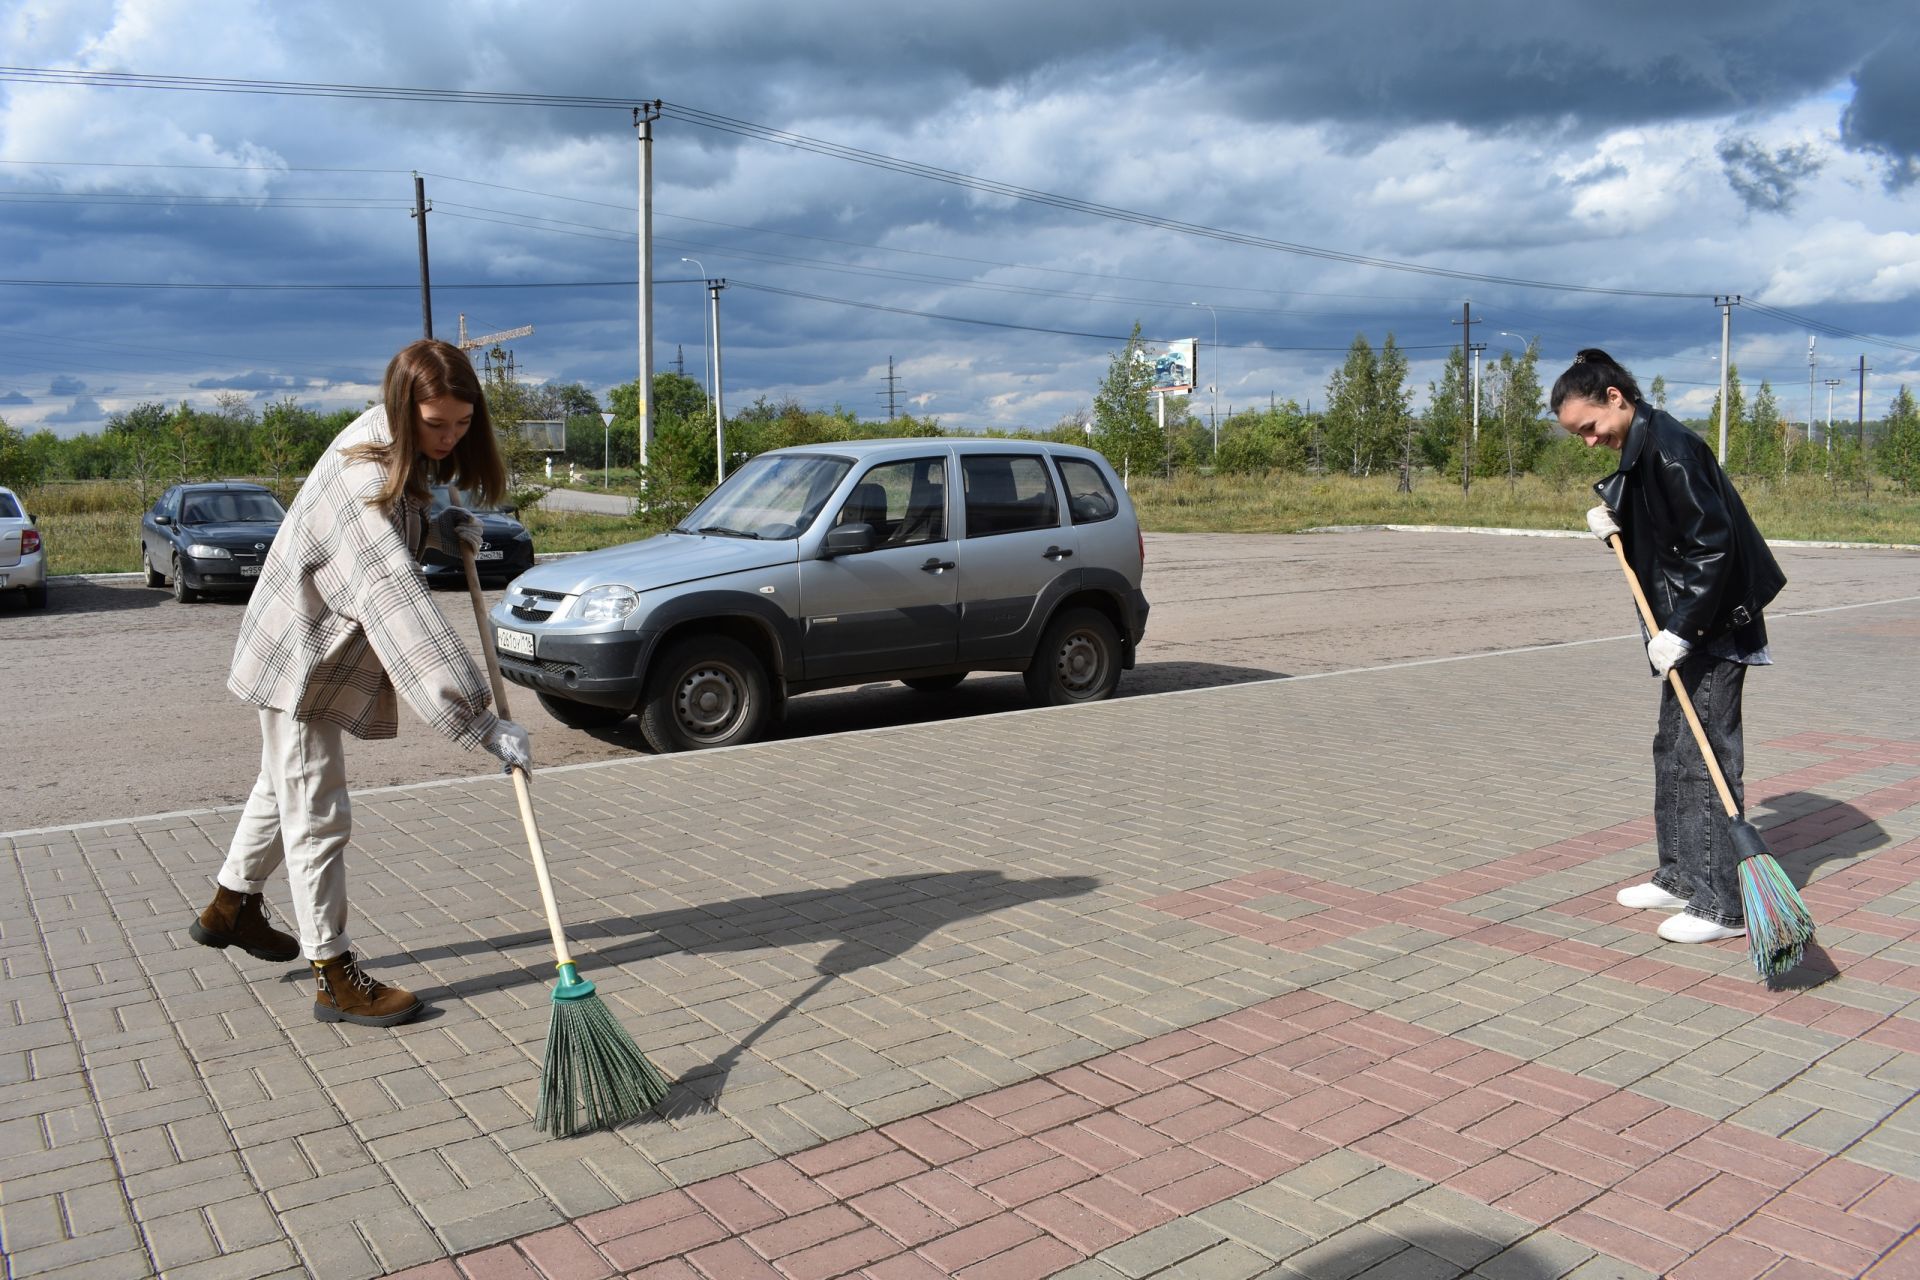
pixel 113 701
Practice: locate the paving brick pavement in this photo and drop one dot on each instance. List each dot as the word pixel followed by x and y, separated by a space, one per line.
pixel 1317 978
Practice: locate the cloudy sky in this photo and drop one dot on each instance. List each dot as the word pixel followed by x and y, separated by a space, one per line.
pixel 1292 173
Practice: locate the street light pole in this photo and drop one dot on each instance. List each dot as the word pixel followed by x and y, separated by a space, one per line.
pixel 1213 415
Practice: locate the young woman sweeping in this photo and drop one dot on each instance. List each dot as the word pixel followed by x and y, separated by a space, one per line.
pixel 1706 574
pixel 339 621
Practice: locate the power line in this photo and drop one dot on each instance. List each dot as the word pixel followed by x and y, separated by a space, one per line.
pixel 797 141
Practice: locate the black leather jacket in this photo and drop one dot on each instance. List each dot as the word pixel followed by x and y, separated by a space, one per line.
pixel 1705 568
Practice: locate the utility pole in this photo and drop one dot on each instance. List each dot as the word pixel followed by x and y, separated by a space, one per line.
pixel 1831 384
pixel 643 118
pixel 679 360
pixel 1860 422
pixel 1477 348
pixel 891 393
pixel 1810 367
pixel 1470 395
pixel 420 207
pixel 1726 302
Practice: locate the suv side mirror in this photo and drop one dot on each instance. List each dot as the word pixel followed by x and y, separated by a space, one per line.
pixel 163 519
pixel 848 539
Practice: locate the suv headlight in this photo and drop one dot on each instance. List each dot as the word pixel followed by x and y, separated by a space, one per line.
pixel 606 604
pixel 201 551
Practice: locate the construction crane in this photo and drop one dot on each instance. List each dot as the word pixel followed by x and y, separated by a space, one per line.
pixel 490 342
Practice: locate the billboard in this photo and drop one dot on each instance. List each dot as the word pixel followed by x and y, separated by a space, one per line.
pixel 1176 367
pixel 548 435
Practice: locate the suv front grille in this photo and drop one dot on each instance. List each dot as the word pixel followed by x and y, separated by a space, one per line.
pixel 534 606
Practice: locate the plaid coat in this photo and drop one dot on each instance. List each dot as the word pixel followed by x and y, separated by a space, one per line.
pixel 341 614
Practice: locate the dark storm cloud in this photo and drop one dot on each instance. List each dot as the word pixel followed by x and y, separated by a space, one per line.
pixel 14 397
pixel 84 411
pixel 1884 117
pixel 62 385
pixel 1766 182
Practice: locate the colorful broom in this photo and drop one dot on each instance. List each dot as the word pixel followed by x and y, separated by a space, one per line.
pixel 595 1077
pixel 1778 924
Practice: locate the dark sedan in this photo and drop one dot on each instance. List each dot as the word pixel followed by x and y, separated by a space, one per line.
pixel 506 553
pixel 208 538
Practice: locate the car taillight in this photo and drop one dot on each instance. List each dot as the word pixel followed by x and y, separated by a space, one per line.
pixel 29 541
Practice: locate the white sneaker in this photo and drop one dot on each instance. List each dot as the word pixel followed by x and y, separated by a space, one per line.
pixel 1649 896
pixel 1687 927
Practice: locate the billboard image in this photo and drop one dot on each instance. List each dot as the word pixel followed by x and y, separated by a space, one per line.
pixel 1175 369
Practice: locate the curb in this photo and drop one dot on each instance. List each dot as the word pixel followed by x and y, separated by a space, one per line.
pixel 1571 533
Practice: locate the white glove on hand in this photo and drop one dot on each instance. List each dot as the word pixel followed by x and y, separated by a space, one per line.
pixel 1665 649
pixel 1600 520
pixel 457 525
pixel 510 742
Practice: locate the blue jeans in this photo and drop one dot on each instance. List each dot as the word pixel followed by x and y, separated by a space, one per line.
pixel 1697 860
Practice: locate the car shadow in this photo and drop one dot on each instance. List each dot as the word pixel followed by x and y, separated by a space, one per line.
pixel 869 922
pixel 74 594
pixel 885 705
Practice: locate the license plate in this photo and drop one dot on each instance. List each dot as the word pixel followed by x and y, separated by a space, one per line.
pixel 489 555
pixel 513 642
pixel 249 570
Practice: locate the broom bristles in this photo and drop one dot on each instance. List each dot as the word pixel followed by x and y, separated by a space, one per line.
pixel 595 1075
pixel 1778 923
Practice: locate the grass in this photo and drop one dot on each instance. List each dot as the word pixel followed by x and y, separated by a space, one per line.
pixel 93 526
pixel 1803 508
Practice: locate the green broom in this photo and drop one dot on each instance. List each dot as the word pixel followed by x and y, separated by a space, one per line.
pixel 595 1077
pixel 1779 927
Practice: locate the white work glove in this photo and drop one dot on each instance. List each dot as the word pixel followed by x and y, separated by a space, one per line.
pixel 456 526
pixel 1600 520
pixel 510 742
pixel 1666 649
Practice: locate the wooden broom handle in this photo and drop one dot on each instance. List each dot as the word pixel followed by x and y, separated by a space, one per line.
pixel 1673 678
pixel 520 788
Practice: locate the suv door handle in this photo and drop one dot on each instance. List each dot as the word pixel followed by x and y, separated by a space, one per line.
pixel 1056 553
pixel 935 564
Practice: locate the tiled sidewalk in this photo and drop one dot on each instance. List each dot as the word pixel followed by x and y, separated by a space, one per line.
pixel 1316 978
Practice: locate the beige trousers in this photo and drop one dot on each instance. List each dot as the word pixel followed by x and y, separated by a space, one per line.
pixel 298 814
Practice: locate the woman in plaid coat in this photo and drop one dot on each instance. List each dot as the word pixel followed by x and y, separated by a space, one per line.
pixel 340 627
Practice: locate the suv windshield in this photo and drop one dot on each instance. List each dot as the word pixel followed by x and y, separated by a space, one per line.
pixel 772 496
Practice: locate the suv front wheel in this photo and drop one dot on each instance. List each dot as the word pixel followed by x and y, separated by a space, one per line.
pixel 1078 660
pixel 705 691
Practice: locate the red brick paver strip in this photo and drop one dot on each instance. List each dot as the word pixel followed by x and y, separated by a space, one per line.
pixel 1553 1148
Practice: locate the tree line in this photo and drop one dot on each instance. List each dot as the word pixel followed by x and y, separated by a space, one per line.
pixel 1365 426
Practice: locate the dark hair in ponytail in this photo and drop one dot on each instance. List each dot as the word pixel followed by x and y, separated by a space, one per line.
pixel 1589 376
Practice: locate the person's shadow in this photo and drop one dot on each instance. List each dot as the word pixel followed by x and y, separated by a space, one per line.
pixel 1809 830
pixel 869 922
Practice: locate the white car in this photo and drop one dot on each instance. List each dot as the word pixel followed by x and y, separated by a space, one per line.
pixel 23 555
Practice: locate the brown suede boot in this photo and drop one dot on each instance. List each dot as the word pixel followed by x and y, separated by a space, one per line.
pixel 348 993
pixel 240 920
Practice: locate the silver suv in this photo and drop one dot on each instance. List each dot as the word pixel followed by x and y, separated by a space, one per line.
pixel 839 564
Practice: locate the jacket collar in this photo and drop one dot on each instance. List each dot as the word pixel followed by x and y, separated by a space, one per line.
pixel 1611 489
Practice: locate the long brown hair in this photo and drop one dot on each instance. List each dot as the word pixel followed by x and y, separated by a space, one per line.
pixel 425 370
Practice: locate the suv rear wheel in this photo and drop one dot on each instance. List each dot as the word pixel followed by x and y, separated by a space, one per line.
pixel 705 691
pixel 581 715
pixel 1078 660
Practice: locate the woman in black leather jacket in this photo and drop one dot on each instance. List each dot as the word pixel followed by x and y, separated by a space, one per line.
pixel 1707 574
